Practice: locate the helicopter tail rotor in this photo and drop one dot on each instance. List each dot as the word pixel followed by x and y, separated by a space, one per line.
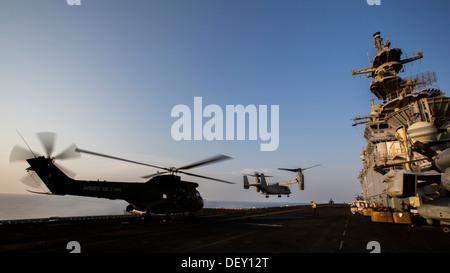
pixel 47 140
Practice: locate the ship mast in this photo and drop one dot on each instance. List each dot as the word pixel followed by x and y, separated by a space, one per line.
pixel 384 67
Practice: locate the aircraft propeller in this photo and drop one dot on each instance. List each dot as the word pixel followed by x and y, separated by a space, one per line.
pixel 298 169
pixel 257 174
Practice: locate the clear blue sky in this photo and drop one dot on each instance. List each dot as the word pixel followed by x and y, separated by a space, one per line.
pixel 106 75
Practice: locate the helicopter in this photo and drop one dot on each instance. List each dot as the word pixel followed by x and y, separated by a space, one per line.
pixel 163 193
pixel 278 188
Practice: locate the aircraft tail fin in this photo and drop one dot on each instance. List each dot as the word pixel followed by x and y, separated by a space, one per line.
pixel 263 180
pixel 54 179
pixel 246 184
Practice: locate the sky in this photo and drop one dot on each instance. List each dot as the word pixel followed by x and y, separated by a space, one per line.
pixel 106 75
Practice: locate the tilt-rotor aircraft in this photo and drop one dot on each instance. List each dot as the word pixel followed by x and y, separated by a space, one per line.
pixel 164 193
pixel 277 188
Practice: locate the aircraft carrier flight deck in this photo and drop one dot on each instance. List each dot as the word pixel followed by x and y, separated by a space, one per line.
pixel 291 229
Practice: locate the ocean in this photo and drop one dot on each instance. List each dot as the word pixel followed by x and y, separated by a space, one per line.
pixel 28 206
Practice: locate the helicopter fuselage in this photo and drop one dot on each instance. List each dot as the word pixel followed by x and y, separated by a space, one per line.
pixel 161 194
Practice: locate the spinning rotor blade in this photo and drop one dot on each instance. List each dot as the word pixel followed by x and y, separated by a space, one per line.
pixel 206 177
pixel 167 170
pixel 204 162
pixel 298 169
pixel 191 174
pixel 310 167
pixel 69 152
pixel 65 170
pixel 18 153
pixel 290 170
pixel 48 141
pixel 118 158
pixel 30 181
pixel 193 165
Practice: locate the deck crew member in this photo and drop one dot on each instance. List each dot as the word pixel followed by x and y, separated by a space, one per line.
pixel 313 206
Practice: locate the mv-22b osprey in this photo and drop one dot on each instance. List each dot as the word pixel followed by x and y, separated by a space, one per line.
pixel 277 188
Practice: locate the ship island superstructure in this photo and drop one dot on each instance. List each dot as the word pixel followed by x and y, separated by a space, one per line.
pixel 406 162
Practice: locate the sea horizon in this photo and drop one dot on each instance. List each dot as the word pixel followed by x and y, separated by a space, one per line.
pixel 34 206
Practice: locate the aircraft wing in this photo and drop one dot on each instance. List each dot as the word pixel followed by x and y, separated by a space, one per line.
pixel 287 182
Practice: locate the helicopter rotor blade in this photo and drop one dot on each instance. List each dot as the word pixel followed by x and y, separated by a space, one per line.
pixel 118 158
pixel 68 153
pixel 205 162
pixel 47 140
pixel 167 170
pixel 30 180
pixel 206 177
pixel 18 153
